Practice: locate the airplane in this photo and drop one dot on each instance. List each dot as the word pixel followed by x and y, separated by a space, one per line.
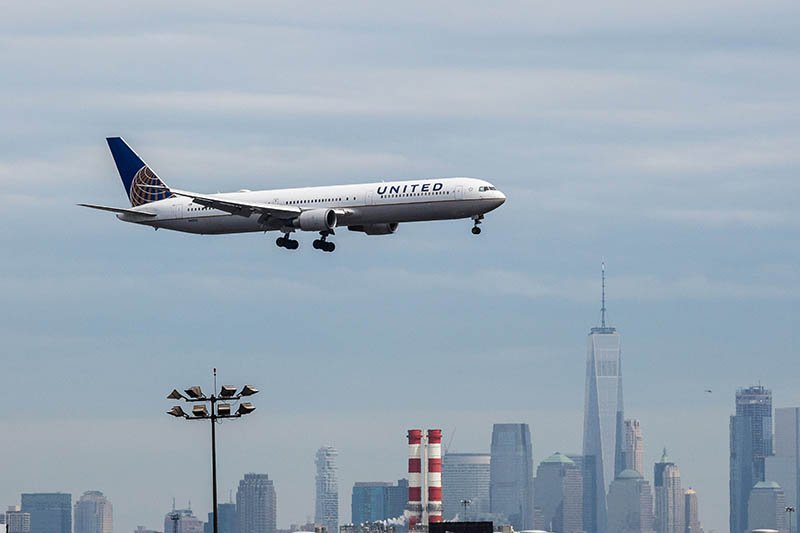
pixel 369 208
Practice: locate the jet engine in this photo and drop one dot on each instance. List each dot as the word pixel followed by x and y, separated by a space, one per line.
pixel 375 229
pixel 316 220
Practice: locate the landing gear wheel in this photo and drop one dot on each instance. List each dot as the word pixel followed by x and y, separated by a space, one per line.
pixel 286 242
pixel 322 243
pixel 475 229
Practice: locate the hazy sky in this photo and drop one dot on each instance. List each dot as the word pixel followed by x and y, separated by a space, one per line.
pixel 659 137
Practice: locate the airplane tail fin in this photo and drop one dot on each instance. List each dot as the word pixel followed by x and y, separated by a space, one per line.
pixel 141 183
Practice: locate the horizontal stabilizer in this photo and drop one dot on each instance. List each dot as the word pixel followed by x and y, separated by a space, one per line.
pixel 119 210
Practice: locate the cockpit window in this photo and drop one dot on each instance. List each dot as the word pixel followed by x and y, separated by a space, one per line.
pixel 487 188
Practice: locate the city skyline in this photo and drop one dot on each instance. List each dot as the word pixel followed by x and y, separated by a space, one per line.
pixel 659 137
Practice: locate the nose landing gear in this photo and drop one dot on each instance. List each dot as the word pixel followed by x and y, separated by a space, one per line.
pixel 322 243
pixel 286 242
pixel 476 230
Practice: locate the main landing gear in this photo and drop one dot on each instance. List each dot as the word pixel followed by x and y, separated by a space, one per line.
pixel 286 242
pixel 322 243
pixel 476 230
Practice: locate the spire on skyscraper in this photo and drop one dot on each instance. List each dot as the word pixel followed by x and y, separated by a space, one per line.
pixel 603 305
pixel 603 328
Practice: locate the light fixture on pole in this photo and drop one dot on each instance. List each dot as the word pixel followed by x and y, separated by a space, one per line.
pixel 213 408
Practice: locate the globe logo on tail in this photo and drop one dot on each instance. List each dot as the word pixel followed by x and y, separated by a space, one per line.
pixel 146 187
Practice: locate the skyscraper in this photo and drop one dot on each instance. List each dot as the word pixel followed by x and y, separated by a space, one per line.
pixel 750 444
pixel 17 521
pixel 94 513
pixel 691 513
pixel 603 436
pixel 634 446
pixel 226 519
pixel 784 467
pixel 766 507
pixel 669 497
pixel 373 501
pixel 182 521
pixel 465 476
pixel 256 504
pixel 630 504
pixel 327 502
pixel 558 495
pixel 511 474
pixel 50 512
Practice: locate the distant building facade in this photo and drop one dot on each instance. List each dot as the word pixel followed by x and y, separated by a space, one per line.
pixel 511 474
pixel 182 521
pixel 17 521
pixel 603 437
pixel 669 497
pixel 374 501
pixel 465 476
pixel 327 501
pixel 634 446
pixel 226 519
pixel 750 445
pixel 50 512
pixel 767 507
pixel 256 504
pixel 93 513
pixel 630 504
pixel 784 467
pixel 691 512
pixel 558 495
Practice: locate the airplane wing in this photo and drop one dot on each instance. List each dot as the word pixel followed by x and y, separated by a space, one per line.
pixel 118 210
pixel 236 207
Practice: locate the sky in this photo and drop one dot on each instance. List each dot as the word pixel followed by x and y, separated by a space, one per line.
pixel 660 138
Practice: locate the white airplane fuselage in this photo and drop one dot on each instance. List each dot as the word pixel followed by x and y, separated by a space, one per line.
pixel 355 206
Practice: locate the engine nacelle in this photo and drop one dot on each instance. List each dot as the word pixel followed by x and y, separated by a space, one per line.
pixel 375 229
pixel 316 220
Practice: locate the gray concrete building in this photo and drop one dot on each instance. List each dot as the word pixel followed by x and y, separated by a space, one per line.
pixel 465 476
pixel 634 446
pixel 767 507
pixel 182 521
pixel 256 504
pixel 93 513
pixel 784 467
pixel 17 521
pixel 630 504
pixel 691 512
pixel 669 497
pixel 558 495
pixel 326 509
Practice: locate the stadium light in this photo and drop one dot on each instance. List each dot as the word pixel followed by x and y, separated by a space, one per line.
pixel 220 407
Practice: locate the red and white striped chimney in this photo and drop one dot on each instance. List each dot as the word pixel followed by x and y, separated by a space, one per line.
pixel 414 506
pixel 434 476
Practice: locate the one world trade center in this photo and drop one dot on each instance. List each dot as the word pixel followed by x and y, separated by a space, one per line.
pixel 603 434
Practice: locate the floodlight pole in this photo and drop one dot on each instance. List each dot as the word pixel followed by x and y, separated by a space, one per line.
pixel 213 419
pixel 228 394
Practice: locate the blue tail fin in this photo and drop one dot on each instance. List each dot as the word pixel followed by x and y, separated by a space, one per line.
pixel 141 183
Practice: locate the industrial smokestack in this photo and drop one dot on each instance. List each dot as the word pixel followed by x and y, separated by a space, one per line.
pixel 434 476
pixel 414 506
